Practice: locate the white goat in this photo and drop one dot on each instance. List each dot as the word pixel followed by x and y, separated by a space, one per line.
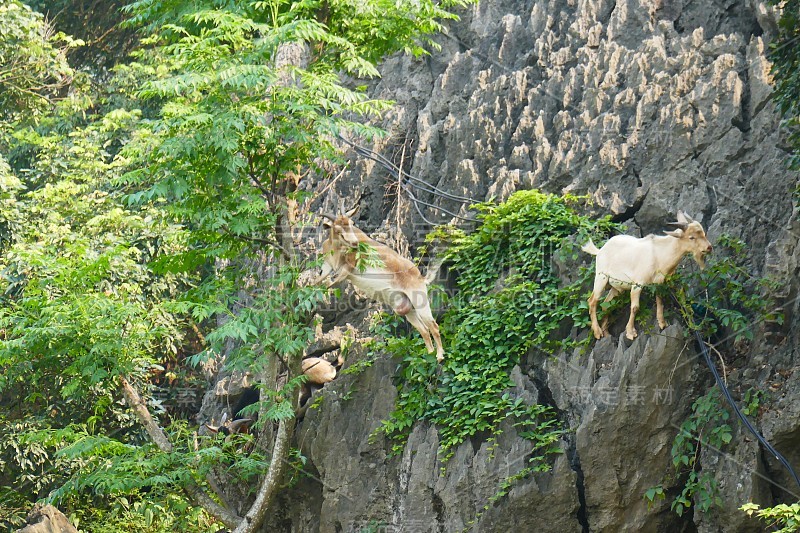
pixel 628 264
pixel 390 279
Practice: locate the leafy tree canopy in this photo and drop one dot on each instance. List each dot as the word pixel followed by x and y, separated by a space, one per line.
pixel 147 220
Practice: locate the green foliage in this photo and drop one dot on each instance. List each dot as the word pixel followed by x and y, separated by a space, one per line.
pixel 32 62
pixel 510 300
pixel 752 400
pixel 653 494
pixel 784 54
pixel 724 299
pixel 706 426
pixel 80 304
pixel 783 516
pixel 144 209
pixel 367 257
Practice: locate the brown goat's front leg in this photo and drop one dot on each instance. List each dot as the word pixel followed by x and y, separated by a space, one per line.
pixel 326 271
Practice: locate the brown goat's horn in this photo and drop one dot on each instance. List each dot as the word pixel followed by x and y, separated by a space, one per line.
pixel 328 216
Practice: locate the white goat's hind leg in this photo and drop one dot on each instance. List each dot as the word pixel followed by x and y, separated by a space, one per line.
pixel 600 282
pixel 610 296
pixel 660 313
pixel 630 329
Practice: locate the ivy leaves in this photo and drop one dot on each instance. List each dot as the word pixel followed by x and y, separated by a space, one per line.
pixel 510 299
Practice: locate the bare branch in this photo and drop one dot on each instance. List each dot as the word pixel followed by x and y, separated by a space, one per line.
pixel 157 435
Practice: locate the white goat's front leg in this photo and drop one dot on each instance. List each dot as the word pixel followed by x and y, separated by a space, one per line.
pixel 610 296
pixel 660 313
pixel 630 329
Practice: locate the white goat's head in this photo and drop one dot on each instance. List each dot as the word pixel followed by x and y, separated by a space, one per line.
pixel 692 236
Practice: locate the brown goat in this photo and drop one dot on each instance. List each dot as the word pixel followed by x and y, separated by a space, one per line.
pixel 390 278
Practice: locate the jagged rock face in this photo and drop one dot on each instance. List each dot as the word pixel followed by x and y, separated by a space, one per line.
pixel 47 519
pixel 648 107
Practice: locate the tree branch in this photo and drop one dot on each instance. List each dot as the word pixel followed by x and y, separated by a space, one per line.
pixel 194 491
pixel 271 483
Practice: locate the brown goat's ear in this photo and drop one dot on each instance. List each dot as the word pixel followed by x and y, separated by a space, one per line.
pixel 678 233
pixel 681 225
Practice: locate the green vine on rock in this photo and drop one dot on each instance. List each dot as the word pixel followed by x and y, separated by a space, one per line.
pixel 510 298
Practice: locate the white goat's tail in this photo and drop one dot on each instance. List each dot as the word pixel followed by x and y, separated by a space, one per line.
pixel 590 248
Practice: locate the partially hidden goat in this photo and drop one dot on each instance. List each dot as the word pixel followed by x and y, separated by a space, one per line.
pixel 318 370
pixel 390 278
pixel 629 263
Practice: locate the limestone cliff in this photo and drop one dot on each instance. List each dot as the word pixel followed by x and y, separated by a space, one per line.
pixel 649 106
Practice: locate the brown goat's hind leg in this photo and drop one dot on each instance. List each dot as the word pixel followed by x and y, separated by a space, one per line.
pixel 420 326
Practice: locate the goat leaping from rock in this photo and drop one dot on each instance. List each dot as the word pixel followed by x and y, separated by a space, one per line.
pixel 628 264
pixel 390 278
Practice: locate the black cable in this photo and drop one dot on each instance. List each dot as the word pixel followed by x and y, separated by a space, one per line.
pixel 425 186
pixel 736 409
pixel 379 158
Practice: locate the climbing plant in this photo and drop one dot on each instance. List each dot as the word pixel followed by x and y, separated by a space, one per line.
pixel 783 516
pixel 724 300
pixel 510 299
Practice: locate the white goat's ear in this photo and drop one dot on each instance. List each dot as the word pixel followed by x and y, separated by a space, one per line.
pixel 678 233
pixel 684 218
